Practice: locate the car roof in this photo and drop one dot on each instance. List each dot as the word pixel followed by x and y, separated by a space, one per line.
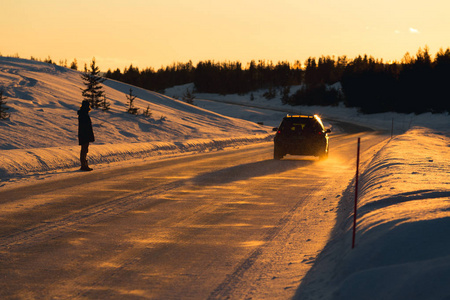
pixel 299 117
pixel 308 117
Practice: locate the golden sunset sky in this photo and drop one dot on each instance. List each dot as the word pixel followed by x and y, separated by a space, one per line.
pixel 155 33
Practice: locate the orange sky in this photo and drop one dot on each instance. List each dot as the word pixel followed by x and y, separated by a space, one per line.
pixel 155 33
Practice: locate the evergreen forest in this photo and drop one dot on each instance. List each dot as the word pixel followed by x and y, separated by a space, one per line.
pixel 416 84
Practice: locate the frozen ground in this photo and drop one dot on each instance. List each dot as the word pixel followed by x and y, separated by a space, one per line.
pixel 402 250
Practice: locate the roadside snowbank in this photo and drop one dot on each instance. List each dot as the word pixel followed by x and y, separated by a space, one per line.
pixel 402 245
pixel 19 162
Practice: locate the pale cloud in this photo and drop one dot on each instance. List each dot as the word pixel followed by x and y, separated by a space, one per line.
pixel 413 30
pixel 397 32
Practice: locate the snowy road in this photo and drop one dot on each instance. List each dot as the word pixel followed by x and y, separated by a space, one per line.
pixel 232 223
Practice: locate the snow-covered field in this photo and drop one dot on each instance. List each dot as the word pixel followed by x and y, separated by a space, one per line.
pixel 41 135
pixel 402 250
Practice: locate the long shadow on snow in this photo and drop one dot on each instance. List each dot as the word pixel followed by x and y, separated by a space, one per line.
pixel 250 170
pixel 306 289
pixel 386 260
pixel 341 240
pixel 401 198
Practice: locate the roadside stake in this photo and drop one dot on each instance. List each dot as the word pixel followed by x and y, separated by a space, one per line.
pixel 356 194
pixel 392 128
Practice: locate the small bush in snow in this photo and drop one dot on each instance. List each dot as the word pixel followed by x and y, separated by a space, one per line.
pixel 74 64
pixel 270 94
pixel 131 109
pixel 3 114
pixel 147 113
pixel 285 94
pixel 188 97
pixel 105 105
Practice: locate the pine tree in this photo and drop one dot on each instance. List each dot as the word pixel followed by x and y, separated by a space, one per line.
pixel 105 104
pixel 147 113
pixel 131 109
pixel 74 64
pixel 270 94
pixel 3 108
pixel 94 90
pixel 188 97
pixel 285 94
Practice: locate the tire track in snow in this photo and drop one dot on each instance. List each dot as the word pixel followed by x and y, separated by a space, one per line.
pixel 223 290
pixel 88 216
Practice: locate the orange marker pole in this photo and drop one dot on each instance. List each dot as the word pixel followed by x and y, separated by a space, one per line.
pixel 356 193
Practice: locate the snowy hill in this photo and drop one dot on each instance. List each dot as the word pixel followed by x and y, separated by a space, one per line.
pixel 41 134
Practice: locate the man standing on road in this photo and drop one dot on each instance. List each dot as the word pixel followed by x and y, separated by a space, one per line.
pixel 85 133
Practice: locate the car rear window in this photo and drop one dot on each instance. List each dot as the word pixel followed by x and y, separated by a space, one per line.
pixel 299 126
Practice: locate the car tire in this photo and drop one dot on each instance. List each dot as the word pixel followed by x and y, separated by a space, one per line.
pixel 277 153
pixel 323 155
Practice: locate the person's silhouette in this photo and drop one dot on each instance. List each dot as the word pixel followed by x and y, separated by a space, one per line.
pixel 85 133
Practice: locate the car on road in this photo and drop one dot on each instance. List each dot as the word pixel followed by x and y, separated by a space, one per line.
pixel 301 135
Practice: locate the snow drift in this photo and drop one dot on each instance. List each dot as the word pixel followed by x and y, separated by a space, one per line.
pixel 402 245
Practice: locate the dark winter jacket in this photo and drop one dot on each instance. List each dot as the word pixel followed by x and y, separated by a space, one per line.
pixel 85 132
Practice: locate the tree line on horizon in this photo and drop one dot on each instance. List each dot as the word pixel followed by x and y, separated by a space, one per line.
pixel 416 84
pixel 213 77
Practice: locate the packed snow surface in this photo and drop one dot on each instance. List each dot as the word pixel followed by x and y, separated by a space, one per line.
pixel 402 246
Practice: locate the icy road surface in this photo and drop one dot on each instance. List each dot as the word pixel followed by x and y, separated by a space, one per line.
pixel 229 224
